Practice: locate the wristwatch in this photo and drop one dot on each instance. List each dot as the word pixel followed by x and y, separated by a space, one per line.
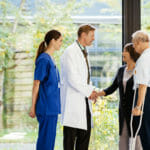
pixel 138 107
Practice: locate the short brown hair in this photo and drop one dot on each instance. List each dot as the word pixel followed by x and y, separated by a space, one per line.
pixel 85 28
pixel 130 49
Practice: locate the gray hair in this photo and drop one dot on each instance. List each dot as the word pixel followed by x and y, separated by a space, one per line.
pixel 140 36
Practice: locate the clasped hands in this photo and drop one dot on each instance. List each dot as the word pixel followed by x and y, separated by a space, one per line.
pixel 95 95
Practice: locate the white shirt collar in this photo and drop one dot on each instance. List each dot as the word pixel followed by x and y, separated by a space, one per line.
pixel 141 56
pixel 145 51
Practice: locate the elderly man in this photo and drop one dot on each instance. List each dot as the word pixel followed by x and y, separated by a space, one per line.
pixel 140 41
pixel 76 91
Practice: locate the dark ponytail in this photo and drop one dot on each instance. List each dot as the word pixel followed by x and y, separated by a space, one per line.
pixel 52 34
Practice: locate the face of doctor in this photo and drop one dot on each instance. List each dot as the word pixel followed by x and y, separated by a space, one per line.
pixel 88 37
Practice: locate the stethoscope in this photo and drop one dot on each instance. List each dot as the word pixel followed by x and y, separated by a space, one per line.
pixel 80 45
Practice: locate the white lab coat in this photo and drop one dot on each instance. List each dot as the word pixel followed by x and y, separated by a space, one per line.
pixel 74 88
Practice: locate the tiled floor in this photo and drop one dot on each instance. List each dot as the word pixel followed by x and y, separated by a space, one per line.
pixel 17 146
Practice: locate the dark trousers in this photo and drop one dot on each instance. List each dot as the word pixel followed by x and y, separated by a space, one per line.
pixel 78 138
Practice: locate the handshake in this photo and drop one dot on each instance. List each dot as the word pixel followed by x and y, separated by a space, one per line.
pixel 95 95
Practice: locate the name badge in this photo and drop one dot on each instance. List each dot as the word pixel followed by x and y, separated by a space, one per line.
pixel 58 84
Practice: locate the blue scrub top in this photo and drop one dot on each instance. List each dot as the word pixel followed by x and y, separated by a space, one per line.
pixel 48 102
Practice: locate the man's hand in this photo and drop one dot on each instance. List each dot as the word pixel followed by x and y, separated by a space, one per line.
pixel 93 96
pixel 136 112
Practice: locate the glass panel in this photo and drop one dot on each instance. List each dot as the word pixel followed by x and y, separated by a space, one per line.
pixel 145 11
pixel 105 56
pixel 20 34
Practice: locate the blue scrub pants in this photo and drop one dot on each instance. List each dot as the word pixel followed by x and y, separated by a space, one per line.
pixel 47 132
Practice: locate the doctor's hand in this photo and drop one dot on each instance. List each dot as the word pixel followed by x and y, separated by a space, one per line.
pixel 136 112
pixel 93 96
pixel 32 113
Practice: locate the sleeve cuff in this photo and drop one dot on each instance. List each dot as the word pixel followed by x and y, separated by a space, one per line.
pixel 142 82
pixel 105 90
pixel 90 90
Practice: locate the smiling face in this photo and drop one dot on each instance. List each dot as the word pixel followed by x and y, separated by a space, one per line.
pixel 126 56
pixel 57 43
pixel 88 38
pixel 140 40
pixel 137 46
pixel 86 34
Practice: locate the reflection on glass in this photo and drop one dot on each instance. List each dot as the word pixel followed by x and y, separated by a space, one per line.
pixel 16 82
pixel 105 55
pixel 145 11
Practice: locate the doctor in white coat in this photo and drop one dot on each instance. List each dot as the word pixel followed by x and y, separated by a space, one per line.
pixel 76 91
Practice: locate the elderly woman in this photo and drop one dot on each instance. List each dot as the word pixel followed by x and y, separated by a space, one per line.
pixel 124 81
pixel 140 41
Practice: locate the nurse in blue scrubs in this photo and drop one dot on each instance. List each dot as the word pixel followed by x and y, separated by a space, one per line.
pixel 46 91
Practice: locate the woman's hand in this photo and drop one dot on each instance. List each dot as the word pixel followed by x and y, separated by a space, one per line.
pixel 35 92
pixel 101 93
pixel 32 113
pixel 136 112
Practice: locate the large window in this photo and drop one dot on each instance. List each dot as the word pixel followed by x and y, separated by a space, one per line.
pixel 22 27
pixel 105 56
pixel 145 11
